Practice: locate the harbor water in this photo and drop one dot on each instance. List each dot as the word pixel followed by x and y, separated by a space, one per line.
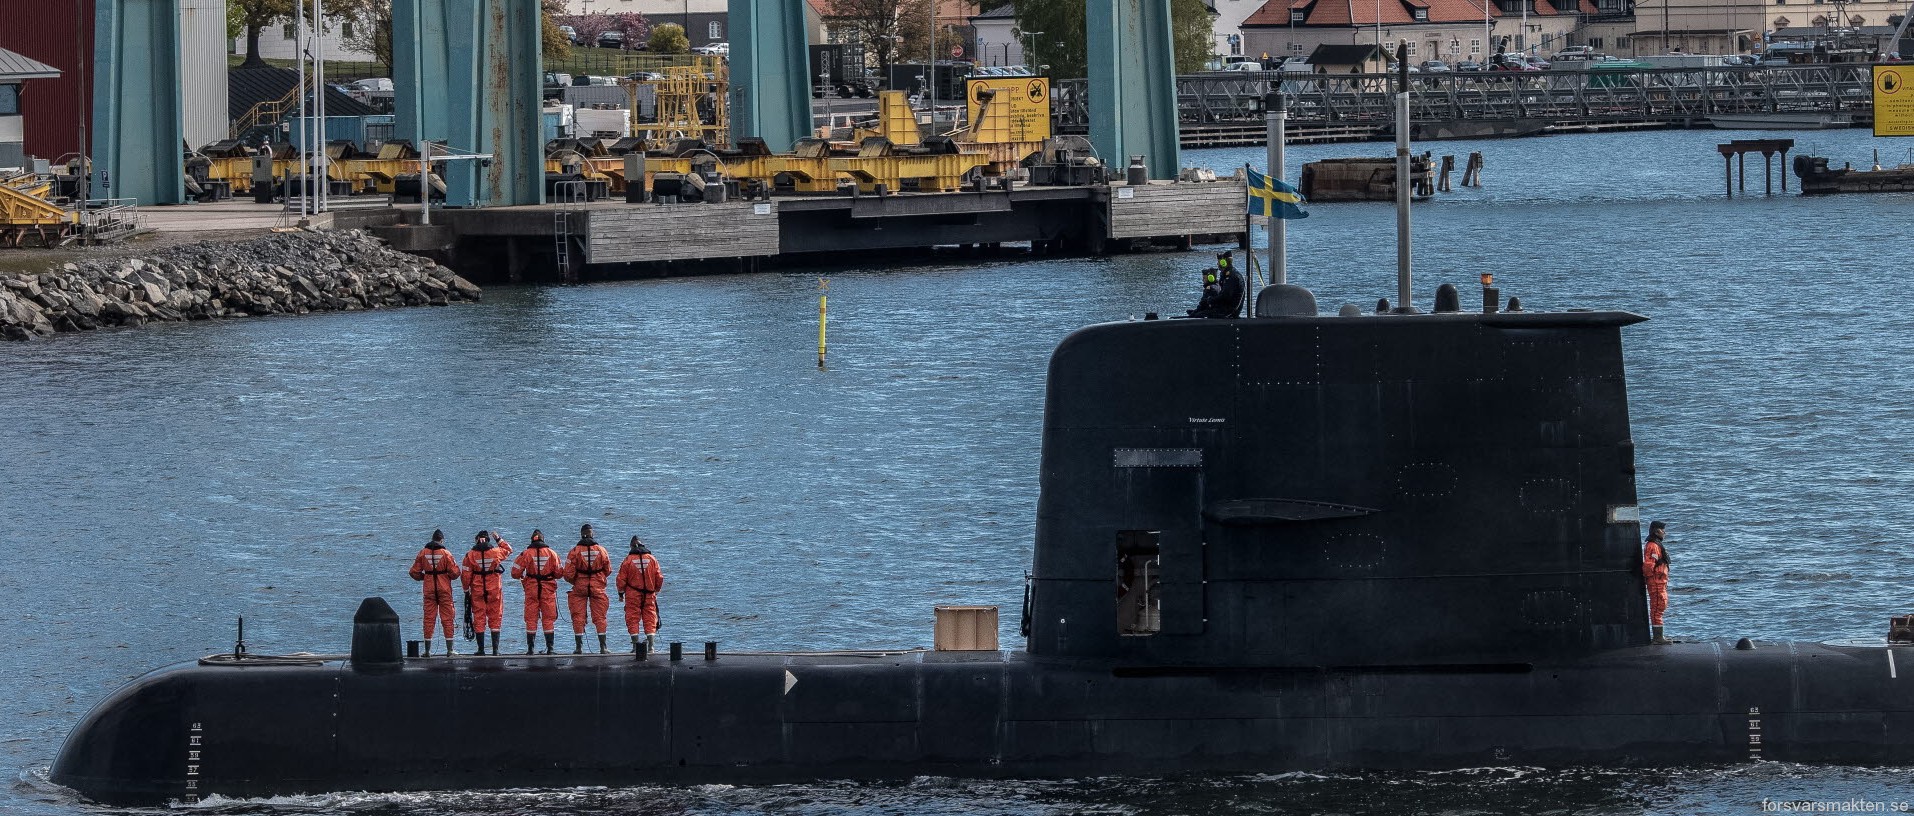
pixel 156 484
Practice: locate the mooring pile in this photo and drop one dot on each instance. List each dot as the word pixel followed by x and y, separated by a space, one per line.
pixel 283 273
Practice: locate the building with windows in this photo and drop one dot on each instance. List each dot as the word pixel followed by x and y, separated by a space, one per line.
pixel 1741 26
pixel 280 41
pixel 15 70
pixel 1450 30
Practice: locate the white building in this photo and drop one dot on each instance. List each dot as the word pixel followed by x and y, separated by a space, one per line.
pixel 1737 26
pixel 280 41
pixel 998 40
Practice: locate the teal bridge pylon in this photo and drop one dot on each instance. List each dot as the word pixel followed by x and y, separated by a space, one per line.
pixel 1132 85
pixel 467 73
pixel 137 126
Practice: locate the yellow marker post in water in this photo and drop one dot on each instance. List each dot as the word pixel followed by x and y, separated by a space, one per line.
pixel 822 285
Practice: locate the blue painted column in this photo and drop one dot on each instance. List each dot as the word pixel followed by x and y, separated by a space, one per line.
pixel 137 133
pixel 770 72
pixel 467 73
pixel 1133 84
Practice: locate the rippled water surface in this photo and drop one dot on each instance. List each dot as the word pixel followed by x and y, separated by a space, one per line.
pixel 157 483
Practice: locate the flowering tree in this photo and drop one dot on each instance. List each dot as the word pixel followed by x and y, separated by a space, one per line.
pixel 589 26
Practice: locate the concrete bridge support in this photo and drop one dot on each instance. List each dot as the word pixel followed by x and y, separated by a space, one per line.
pixel 467 73
pixel 137 129
pixel 770 72
pixel 1133 85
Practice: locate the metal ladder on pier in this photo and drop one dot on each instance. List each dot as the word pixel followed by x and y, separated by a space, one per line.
pixel 569 196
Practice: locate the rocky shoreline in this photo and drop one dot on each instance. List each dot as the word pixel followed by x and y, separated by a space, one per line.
pixel 281 273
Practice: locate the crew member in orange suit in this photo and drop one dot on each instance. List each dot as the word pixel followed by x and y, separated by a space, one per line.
pixel 639 580
pixel 436 567
pixel 484 585
pixel 587 566
pixel 1655 574
pixel 537 570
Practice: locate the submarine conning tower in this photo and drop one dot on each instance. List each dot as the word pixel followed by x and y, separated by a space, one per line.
pixel 1434 490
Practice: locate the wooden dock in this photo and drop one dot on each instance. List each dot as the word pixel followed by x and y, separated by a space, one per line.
pixel 517 243
pixel 1145 211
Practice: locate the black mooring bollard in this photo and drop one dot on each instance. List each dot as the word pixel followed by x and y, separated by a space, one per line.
pixel 677 650
pixel 711 650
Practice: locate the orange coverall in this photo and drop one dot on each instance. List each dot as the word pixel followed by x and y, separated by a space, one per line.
pixel 587 566
pixel 483 568
pixel 1655 573
pixel 436 566
pixel 537 569
pixel 639 580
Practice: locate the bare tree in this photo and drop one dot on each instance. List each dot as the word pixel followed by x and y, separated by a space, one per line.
pixel 888 29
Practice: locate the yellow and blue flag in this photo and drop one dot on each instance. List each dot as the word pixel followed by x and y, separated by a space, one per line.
pixel 1271 197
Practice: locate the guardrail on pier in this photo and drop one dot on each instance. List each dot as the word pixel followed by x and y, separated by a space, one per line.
pixel 1560 97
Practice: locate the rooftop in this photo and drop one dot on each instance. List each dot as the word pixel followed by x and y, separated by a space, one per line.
pixel 14 65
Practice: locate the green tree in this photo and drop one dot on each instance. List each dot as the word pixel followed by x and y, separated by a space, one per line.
pixel 254 16
pixel 1062 44
pixel 669 38
pixel 552 43
pixel 372 25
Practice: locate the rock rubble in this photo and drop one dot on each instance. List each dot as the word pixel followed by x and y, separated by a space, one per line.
pixel 282 273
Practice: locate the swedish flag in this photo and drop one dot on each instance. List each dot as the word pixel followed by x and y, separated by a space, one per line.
pixel 1267 194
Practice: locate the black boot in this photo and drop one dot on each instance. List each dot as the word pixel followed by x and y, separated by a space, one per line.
pixel 637 644
pixel 578 644
pixel 448 647
pixel 495 643
pixel 530 639
pixel 481 643
pixel 601 645
pixel 428 648
pixel 548 642
pixel 1658 639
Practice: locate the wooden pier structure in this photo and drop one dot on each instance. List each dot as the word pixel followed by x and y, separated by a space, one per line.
pixel 529 242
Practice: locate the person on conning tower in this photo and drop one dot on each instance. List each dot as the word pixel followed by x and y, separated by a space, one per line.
pixel 1222 291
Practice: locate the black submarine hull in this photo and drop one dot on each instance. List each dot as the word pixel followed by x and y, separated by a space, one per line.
pixel 186 732
pixel 1271 544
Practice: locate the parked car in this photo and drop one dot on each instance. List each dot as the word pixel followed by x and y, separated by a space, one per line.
pixel 1243 66
pixel 571 34
pixel 580 80
pixel 1435 67
pixel 1295 65
pixel 644 76
pixel 714 49
pixel 611 39
pixel 1468 65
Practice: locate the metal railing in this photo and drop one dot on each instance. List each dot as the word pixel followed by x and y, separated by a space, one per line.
pixel 109 219
pixel 1668 95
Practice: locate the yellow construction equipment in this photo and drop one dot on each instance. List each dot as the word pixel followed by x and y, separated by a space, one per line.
pixel 693 102
pixel 25 212
pixel 878 163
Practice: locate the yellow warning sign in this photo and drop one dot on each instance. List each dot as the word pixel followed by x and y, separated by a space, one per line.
pixel 1027 99
pixel 1893 100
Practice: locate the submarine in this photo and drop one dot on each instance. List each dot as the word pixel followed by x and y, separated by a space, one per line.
pixel 1286 541
pixel 1279 542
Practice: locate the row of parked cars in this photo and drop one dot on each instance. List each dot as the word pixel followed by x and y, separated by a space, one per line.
pixel 617 39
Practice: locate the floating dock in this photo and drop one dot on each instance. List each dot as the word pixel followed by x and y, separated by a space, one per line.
pixel 516 243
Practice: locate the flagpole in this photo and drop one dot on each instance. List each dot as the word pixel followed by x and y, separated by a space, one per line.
pixel 1276 117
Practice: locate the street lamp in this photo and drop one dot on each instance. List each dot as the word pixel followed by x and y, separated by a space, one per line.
pixel 1030 52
